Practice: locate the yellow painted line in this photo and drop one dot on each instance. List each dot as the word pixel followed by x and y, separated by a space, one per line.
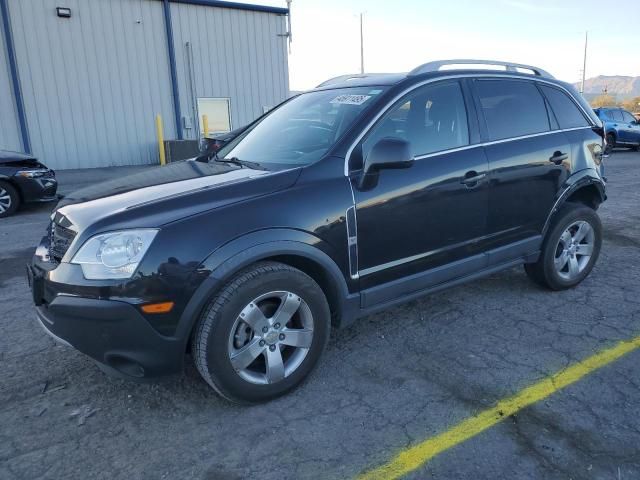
pixel 414 457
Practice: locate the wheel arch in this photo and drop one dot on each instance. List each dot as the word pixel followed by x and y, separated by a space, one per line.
pixel 12 183
pixel 300 250
pixel 587 189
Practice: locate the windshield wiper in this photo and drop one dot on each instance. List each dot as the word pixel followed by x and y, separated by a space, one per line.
pixel 241 163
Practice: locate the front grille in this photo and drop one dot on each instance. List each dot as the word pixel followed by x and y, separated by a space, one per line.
pixel 60 239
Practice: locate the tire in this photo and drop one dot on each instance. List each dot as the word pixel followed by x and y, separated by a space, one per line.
pixel 611 140
pixel 9 199
pixel 562 243
pixel 241 322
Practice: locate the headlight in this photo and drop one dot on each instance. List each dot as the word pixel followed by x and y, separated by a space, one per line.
pixel 114 254
pixel 32 173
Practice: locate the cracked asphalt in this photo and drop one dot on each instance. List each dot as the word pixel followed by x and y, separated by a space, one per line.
pixel 386 383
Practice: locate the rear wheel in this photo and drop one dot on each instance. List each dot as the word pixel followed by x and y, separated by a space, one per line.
pixel 262 334
pixel 9 199
pixel 570 248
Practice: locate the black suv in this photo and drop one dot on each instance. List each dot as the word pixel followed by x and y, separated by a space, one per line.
pixel 367 191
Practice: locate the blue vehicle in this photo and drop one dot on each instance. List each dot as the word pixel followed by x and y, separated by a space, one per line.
pixel 621 127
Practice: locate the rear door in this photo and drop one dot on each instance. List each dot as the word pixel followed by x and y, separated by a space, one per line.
pixel 529 159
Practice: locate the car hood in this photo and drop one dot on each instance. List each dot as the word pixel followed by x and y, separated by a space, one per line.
pixel 164 194
pixel 7 157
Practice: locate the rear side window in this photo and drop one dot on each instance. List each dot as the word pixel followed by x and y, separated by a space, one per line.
pixel 566 111
pixel 512 108
pixel 627 117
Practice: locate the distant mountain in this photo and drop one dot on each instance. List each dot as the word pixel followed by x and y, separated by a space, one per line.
pixel 618 86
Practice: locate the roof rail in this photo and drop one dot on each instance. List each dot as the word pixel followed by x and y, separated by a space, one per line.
pixel 508 66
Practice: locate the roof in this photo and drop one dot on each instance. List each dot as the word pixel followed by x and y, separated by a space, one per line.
pixel 434 69
pixel 236 6
pixel 357 80
pixel 363 80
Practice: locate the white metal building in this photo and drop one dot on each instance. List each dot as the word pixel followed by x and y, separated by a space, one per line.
pixel 81 81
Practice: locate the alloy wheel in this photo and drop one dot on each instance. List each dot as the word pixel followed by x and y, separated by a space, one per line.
pixel 5 200
pixel 574 250
pixel 271 337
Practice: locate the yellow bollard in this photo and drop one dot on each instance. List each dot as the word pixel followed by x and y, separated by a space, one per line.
pixel 205 126
pixel 163 160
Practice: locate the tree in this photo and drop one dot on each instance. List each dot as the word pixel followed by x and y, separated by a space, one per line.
pixel 604 100
pixel 633 104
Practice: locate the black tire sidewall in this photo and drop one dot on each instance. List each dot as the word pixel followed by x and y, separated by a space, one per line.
pixel 569 214
pixel 222 373
pixel 15 199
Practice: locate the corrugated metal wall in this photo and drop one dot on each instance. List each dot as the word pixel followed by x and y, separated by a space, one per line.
pixel 92 84
pixel 237 54
pixel 9 126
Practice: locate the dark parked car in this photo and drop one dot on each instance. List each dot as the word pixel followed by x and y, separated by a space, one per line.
pixel 622 128
pixel 362 193
pixel 24 179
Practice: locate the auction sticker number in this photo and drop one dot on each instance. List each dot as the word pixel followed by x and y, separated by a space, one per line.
pixel 351 99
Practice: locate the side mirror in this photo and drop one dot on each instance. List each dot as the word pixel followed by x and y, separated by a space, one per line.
pixel 389 152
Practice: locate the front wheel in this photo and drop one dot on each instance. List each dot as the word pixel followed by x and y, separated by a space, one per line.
pixel 262 334
pixel 9 199
pixel 569 250
pixel 611 141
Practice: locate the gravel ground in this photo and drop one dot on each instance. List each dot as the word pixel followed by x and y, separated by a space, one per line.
pixel 385 383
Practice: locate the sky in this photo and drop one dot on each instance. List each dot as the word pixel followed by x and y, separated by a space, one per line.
pixel 401 34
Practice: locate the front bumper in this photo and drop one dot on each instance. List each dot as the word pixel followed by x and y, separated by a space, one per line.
pixel 42 189
pixel 113 333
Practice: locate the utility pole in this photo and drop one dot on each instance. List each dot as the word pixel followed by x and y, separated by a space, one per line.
pixel 361 47
pixel 584 64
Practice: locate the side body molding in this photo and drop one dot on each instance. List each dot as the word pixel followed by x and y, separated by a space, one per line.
pixel 264 244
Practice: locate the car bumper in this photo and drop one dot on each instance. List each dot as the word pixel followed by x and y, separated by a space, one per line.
pixel 113 333
pixel 38 189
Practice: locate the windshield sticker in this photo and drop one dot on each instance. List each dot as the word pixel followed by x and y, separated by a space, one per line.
pixel 351 99
pixel 374 92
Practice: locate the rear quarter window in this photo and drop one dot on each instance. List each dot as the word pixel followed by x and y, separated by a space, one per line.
pixel 512 108
pixel 565 110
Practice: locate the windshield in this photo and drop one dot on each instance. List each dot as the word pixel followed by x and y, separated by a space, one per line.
pixel 302 130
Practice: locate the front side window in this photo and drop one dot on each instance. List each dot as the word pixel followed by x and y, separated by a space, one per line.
pixel 565 110
pixel 627 117
pixel 615 115
pixel 431 118
pixel 512 108
pixel 301 131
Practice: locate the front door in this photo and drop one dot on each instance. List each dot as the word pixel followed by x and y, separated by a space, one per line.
pixel 631 127
pixel 427 220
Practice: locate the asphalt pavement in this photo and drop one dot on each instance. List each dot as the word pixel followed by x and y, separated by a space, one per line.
pixel 385 384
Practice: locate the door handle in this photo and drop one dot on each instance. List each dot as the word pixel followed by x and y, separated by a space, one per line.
pixel 558 157
pixel 471 178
